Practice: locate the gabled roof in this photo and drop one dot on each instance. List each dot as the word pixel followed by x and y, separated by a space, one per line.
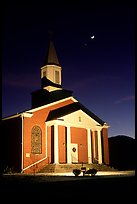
pixel 51 57
pixel 65 110
pixel 43 97
pixel 63 97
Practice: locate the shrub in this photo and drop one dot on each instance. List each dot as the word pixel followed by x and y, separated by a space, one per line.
pixel 8 170
pixel 91 171
pixel 76 172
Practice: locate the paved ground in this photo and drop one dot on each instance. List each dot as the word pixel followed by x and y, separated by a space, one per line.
pixel 99 173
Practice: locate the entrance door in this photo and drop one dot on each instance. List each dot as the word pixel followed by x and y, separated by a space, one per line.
pixel 74 153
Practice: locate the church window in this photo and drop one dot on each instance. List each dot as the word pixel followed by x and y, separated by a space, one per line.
pixel 57 77
pixel 79 119
pixel 36 140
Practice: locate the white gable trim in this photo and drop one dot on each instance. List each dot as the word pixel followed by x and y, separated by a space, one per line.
pixel 72 120
pixel 28 113
pixel 13 116
pixel 24 114
pixel 51 104
pixel 80 118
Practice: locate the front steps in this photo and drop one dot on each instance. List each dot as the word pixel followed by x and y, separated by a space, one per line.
pixel 63 168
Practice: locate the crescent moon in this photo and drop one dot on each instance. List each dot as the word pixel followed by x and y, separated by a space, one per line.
pixel 92 37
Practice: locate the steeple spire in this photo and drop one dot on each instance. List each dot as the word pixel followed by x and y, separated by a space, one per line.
pixel 51 70
pixel 51 58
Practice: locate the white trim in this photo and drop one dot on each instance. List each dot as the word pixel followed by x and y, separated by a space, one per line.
pixel 105 125
pixel 68 145
pixel 56 156
pixel 50 65
pixel 33 164
pixel 53 122
pixel 46 135
pixel 51 104
pixel 27 114
pixel 12 116
pixel 30 111
pixel 89 146
pixel 63 122
pixel 93 142
pixel 72 119
pixel 99 148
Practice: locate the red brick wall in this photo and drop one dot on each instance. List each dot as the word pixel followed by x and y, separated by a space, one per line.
pixel 28 124
pixel 38 118
pixel 62 144
pixel 78 136
pixel 96 145
pixel 105 145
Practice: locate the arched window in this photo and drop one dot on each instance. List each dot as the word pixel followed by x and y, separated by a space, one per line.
pixel 36 140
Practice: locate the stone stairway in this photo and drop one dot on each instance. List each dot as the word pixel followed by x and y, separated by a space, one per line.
pixel 62 168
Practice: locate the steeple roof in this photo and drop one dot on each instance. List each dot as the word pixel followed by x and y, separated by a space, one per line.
pixel 51 57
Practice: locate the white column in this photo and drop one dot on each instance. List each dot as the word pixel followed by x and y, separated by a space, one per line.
pixel 68 145
pixel 56 156
pixel 46 135
pixel 89 146
pixel 99 148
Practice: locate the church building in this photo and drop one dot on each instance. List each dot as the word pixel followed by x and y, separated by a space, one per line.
pixel 57 129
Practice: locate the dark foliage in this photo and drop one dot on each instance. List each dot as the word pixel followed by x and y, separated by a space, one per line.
pixel 76 172
pixel 122 152
pixel 91 171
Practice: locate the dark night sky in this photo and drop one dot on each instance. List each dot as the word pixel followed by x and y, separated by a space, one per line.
pixel 99 71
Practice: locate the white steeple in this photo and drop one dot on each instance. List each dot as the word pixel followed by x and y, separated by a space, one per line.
pixel 51 70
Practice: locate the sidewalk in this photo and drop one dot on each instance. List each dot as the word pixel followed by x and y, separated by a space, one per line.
pixel 99 173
